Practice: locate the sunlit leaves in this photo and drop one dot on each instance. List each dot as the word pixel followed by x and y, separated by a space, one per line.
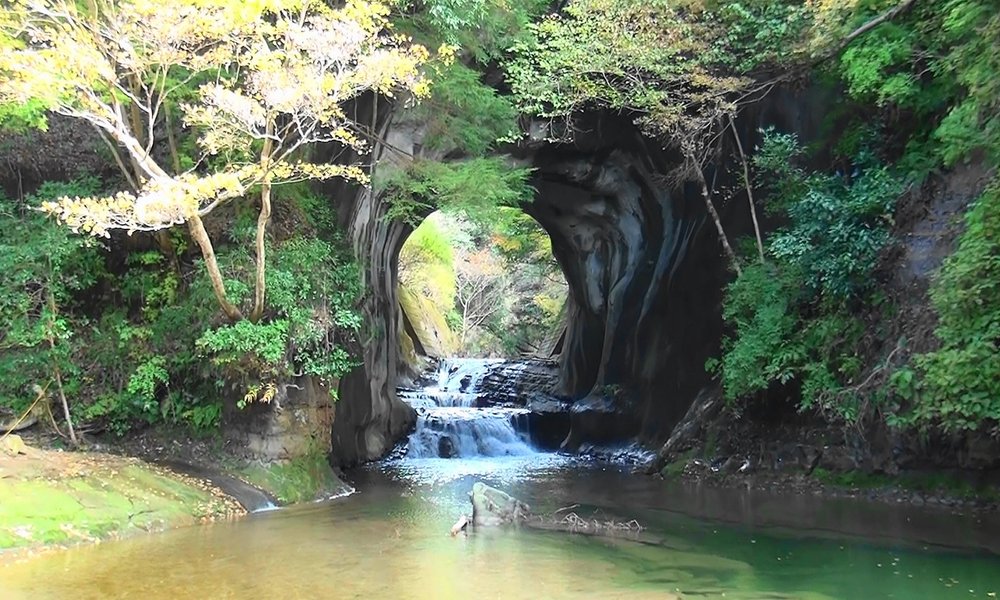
pixel 283 70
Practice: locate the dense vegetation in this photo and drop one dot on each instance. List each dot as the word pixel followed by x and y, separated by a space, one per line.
pixel 923 100
pixel 210 112
pixel 918 93
pixel 495 281
pixel 237 278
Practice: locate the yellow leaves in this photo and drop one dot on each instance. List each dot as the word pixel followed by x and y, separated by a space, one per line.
pixel 260 393
pixel 286 172
pixel 290 66
pixel 447 53
pixel 92 216
pixel 161 203
pixel 371 16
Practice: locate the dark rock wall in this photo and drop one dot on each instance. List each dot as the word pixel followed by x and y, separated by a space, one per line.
pixel 370 418
pixel 643 264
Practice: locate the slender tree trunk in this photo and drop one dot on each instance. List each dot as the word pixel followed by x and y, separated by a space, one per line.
pixel 746 182
pixel 175 157
pixel 262 219
pixel 162 237
pixel 707 197
pixel 200 237
pixel 129 177
pixel 56 370
pixel 260 285
pixel 65 407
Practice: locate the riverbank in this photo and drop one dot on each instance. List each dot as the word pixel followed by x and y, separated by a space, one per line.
pixel 304 478
pixel 391 541
pixel 940 490
pixel 54 498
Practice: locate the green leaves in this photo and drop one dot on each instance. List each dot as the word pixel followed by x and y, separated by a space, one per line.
pixel 873 66
pixel 44 267
pixel 960 387
pixel 469 186
pixel 312 292
pixel 463 114
pixel 790 318
pixel 839 223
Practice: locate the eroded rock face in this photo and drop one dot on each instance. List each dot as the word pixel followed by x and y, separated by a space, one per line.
pixel 645 274
pixel 644 267
pixel 370 417
pixel 295 423
pixel 643 264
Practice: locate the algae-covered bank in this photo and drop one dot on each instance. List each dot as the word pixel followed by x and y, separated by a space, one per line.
pixel 50 497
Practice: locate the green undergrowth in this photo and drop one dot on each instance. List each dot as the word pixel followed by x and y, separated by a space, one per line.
pixel 925 483
pixel 109 503
pixel 675 468
pixel 301 479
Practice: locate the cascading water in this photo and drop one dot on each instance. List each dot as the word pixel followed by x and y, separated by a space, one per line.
pixel 455 421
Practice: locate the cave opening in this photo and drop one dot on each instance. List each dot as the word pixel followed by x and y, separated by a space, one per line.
pixel 482 284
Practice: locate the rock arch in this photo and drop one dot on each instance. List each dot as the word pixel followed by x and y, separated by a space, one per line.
pixel 643 265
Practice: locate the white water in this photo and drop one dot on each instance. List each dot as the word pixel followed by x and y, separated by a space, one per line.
pixel 452 423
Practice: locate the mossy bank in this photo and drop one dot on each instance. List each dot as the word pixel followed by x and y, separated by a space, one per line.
pixel 55 498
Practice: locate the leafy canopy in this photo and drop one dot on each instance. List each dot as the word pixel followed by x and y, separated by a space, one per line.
pixel 282 70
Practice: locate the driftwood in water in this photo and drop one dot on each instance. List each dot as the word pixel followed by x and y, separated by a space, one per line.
pixel 459 525
pixel 492 507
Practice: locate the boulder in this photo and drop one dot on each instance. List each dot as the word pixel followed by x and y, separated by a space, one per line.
pixel 599 419
pixel 446 447
pixel 12 445
pixel 548 421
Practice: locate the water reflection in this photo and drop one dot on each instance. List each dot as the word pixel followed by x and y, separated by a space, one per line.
pixel 390 540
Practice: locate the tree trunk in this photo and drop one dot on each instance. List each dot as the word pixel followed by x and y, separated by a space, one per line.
pixel 200 237
pixel 56 370
pixel 65 407
pixel 707 197
pixel 262 219
pixel 260 285
pixel 746 182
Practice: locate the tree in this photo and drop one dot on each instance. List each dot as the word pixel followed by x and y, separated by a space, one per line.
pixel 43 266
pixel 279 75
pixel 481 290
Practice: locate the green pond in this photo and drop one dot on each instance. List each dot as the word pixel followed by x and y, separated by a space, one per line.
pixel 390 540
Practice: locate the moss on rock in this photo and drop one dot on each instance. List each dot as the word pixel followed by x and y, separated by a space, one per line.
pixel 56 498
pixel 301 479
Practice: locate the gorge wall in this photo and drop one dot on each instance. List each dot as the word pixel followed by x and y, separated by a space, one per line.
pixel 642 261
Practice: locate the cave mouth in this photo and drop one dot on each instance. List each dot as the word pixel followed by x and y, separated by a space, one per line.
pixel 481 284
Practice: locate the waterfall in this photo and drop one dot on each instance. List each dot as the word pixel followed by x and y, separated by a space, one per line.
pixel 454 421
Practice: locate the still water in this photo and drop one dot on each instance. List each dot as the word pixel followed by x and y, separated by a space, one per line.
pixel 390 540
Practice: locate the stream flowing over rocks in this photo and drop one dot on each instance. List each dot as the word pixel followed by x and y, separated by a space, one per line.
pixel 478 407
